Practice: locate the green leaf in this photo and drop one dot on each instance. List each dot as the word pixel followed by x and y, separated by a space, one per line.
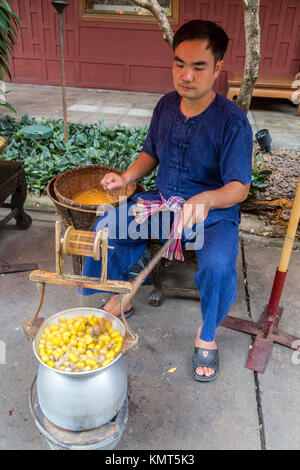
pixel 87 145
pixel 8 106
pixel 9 24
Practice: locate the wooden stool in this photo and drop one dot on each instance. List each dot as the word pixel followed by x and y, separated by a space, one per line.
pixel 268 85
pixel 159 270
pixel 13 182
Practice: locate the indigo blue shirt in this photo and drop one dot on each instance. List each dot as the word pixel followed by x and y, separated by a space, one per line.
pixel 202 153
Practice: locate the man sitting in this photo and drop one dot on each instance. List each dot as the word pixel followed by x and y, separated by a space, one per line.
pixel 202 143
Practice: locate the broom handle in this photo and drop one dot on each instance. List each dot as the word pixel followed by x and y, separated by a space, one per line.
pixel 291 233
pixel 272 312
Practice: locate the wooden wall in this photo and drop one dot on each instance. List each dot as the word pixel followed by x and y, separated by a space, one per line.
pixel 132 56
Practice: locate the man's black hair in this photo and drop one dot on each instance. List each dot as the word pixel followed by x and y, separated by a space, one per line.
pixel 199 29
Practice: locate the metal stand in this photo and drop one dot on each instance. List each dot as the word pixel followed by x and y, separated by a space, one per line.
pixel 266 330
pixel 105 437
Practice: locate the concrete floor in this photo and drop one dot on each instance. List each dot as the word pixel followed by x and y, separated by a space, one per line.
pixel 114 108
pixel 168 410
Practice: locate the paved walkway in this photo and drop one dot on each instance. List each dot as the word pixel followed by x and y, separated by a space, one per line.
pixel 114 108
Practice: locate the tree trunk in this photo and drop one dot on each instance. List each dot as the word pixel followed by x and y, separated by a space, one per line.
pixel 2 92
pixel 252 35
pixel 159 13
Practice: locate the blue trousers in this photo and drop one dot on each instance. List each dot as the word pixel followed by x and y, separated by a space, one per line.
pixel 216 278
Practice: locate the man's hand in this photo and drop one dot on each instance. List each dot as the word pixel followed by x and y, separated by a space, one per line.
pixel 143 166
pixel 195 210
pixel 113 182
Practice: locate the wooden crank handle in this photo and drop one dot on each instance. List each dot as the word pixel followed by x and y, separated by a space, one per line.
pixel 41 289
pixel 129 331
pixel 32 325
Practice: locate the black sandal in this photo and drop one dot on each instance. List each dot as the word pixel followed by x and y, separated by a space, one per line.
pixel 205 358
pixel 127 314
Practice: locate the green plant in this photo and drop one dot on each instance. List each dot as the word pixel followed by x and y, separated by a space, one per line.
pixel 9 24
pixel 259 178
pixel 88 144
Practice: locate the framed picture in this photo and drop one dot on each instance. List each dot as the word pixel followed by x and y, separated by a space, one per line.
pixel 124 11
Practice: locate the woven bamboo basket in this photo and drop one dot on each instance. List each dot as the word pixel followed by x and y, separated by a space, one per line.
pixel 3 143
pixel 73 182
pixel 81 218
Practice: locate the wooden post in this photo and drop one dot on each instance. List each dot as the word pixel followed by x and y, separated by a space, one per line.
pixel 63 80
pixel 104 248
pixel 58 267
pixel 59 6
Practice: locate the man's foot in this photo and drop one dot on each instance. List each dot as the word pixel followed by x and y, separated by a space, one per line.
pixel 113 306
pixel 199 343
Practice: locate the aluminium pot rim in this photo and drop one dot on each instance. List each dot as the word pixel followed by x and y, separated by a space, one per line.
pixel 71 312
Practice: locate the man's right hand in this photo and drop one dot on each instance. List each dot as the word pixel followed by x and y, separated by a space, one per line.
pixel 143 166
pixel 113 182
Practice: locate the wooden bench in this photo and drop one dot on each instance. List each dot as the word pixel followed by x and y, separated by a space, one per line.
pixel 268 85
pixel 13 183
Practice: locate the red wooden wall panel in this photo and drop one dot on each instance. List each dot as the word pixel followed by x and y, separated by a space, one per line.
pixel 132 56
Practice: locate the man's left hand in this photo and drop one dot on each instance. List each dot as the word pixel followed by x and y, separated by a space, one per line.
pixel 195 210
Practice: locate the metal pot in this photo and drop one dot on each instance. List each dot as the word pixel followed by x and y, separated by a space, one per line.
pixel 81 400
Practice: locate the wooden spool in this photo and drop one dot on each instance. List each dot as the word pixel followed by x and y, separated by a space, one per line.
pixel 81 242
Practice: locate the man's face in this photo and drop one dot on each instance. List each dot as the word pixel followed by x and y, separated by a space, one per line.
pixel 194 69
